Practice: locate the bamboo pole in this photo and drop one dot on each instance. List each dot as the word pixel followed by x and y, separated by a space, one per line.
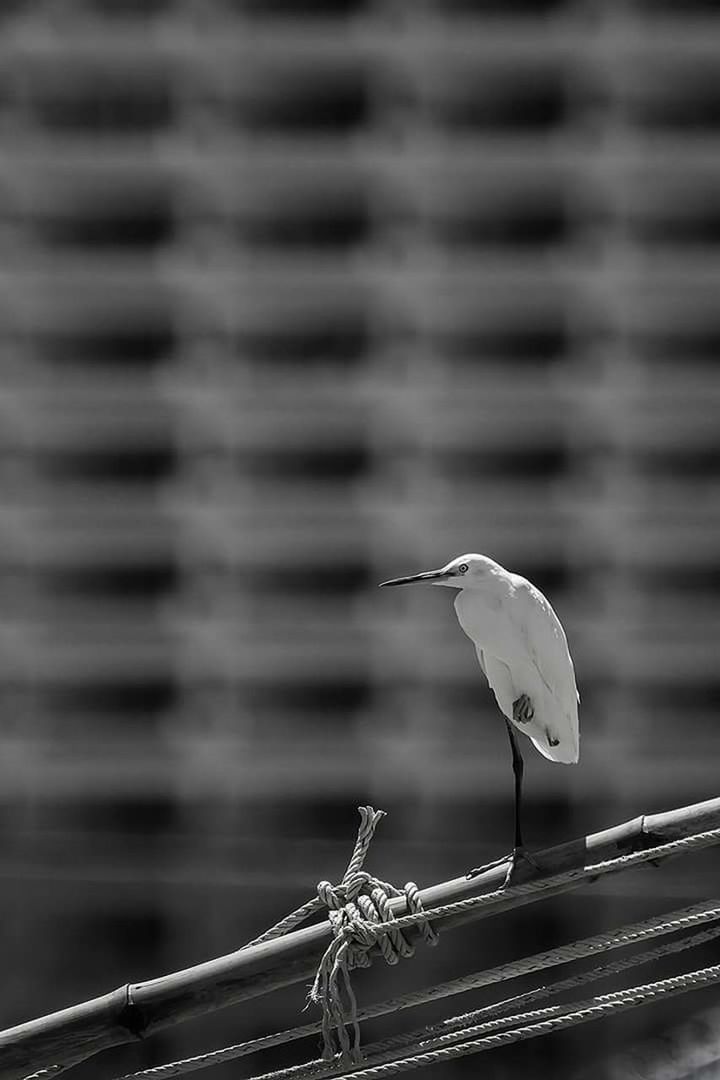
pixel 139 1010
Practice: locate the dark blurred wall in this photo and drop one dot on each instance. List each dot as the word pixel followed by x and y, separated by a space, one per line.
pixel 290 304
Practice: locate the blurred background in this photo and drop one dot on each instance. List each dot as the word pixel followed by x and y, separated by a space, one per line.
pixel 296 297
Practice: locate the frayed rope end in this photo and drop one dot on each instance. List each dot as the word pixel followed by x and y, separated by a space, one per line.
pixel 353 906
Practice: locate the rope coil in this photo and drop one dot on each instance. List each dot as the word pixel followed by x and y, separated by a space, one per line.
pixel 360 914
pixel 356 908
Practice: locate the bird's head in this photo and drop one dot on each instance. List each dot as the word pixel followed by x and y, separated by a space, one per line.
pixel 464 572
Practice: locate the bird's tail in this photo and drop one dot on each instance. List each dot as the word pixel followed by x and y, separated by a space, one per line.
pixel 566 751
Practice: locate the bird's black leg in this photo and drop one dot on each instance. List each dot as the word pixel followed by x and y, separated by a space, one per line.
pixel 518 851
pixel 518 765
pixel 518 769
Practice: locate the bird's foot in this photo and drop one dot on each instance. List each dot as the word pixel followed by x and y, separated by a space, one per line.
pixel 488 866
pixel 515 859
pixel 518 857
pixel 523 709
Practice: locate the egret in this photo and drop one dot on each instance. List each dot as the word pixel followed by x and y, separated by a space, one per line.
pixel 524 655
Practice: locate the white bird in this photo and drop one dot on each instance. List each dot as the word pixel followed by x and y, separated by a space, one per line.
pixel 523 652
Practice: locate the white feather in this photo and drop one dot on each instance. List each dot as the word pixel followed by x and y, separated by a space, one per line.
pixel 522 649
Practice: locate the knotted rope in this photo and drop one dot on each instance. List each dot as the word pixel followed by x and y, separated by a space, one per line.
pixel 355 906
pixel 686 918
pixel 620 937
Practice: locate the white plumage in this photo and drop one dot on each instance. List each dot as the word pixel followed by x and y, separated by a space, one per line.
pixel 524 654
pixel 522 649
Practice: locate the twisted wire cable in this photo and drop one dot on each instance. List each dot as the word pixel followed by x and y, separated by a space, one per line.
pixel 630 934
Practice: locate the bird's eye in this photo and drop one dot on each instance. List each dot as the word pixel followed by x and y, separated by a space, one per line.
pixel 463 568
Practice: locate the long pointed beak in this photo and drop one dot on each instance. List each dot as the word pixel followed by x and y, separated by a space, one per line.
pixel 429 575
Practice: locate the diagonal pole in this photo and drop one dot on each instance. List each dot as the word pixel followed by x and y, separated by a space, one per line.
pixel 137 1011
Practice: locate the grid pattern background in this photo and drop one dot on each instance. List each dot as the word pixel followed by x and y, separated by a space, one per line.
pixel 290 304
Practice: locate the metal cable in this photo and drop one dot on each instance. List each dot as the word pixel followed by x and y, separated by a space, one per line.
pixel 553 1019
pixel 630 934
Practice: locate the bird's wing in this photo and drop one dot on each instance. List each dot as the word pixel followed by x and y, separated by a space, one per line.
pixel 481 659
pixel 546 644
